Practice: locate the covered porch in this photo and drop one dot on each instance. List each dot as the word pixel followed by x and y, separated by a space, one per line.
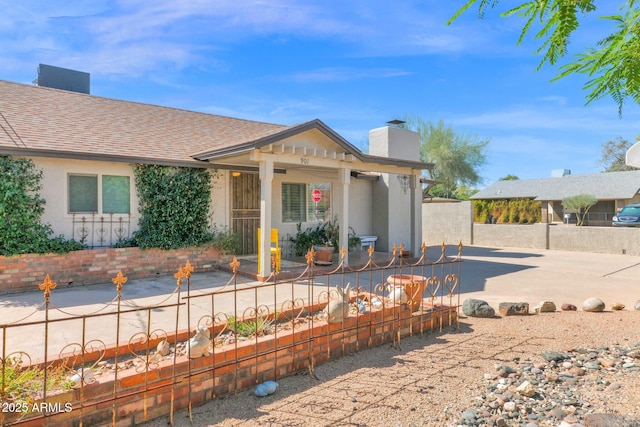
pixel 307 174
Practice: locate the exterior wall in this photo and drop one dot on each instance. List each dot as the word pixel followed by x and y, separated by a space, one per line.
pixel 447 222
pixel 512 235
pixel 55 192
pixel 54 189
pixel 220 199
pixel 25 272
pixel 453 222
pixel 606 240
pixel 360 200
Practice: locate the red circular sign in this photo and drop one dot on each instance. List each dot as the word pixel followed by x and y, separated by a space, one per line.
pixel 316 195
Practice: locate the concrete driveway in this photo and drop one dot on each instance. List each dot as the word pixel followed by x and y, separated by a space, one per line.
pixel 492 274
pixel 526 275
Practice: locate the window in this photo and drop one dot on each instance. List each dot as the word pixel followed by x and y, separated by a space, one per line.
pixel 86 191
pixel 299 202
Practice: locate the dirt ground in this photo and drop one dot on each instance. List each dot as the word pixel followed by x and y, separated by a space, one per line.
pixel 431 379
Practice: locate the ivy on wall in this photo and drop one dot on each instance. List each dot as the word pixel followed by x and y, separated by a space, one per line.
pixel 174 206
pixel 516 211
pixel 21 207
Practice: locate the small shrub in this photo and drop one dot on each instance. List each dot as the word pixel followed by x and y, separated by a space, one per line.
pixel 23 385
pixel 250 328
pixel 225 239
pixel 324 234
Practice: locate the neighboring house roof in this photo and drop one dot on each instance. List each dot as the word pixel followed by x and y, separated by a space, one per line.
pixel 603 186
pixel 40 121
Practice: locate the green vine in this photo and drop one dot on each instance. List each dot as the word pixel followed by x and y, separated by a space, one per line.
pixel 21 207
pixel 516 211
pixel 174 206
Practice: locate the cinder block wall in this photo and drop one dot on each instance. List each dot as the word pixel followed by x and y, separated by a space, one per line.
pixel 447 222
pixel 25 272
pixel 453 222
pixel 532 236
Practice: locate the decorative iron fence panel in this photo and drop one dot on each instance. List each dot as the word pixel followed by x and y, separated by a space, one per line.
pixel 98 231
pixel 194 344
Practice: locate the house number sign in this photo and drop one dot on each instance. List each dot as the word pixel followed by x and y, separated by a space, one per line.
pixel 304 160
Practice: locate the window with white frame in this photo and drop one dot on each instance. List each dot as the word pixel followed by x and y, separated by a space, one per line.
pixel 306 202
pixel 99 193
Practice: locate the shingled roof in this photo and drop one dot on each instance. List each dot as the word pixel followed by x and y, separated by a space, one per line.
pixel 51 122
pixel 604 186
pixel 41 121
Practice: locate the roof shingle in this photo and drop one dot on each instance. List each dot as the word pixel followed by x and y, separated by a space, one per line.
pixel 46 120
pixel 604 186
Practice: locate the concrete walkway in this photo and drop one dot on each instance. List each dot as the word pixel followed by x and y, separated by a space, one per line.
pixel 495 275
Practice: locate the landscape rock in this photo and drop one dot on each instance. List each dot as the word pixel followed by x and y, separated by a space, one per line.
pixel 513 308
pixel 545 307
pixel 609 420
pixel 551 393
pixel 477 308
pixel 593 305
pixel 636 306
pixel 568 307
pixel 550 355
pixel 617 306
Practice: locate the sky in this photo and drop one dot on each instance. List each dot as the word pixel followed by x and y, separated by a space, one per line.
pixel 352 64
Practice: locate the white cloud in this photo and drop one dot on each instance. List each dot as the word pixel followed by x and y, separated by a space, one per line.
pixel 342 74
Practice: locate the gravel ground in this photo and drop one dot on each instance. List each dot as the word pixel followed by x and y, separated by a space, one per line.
pixel 433 379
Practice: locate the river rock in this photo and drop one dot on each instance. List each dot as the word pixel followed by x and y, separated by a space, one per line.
pixel 617 306
pixel 568 307
pixel 550 355
pixel 636 306
pixel 526 389
pixel 593 305
pixel 477 308
pixel 513 308
pixel 545 307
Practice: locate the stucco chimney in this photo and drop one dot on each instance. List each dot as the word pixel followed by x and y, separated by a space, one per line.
pixel 394 142
pixel 397 208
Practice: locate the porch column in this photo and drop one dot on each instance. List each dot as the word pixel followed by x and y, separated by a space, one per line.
pixel 416 214
pixel 266 189
pixel 345 180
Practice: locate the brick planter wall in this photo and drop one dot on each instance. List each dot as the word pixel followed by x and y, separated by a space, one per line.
pixel 146 395
pixel 25 272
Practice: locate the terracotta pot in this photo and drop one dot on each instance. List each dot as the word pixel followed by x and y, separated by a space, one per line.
pixel 414 287
pixel 324 255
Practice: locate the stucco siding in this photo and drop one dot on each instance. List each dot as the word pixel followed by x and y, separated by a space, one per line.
pixel 360 203
pixel 55 190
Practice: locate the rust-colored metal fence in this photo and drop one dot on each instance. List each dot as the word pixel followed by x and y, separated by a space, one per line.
pixel 136 359
pixel 98 231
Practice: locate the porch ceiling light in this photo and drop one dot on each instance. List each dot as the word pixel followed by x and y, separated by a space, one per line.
pixel 235 174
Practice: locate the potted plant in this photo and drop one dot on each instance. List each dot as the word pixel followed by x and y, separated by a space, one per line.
pixel 324 238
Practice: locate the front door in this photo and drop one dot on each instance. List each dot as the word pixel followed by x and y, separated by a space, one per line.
pixel 245 210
